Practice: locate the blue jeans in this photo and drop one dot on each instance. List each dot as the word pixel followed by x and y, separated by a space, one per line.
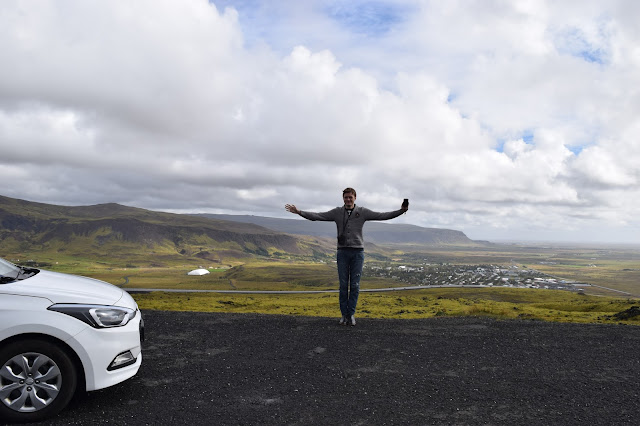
pixel 350 262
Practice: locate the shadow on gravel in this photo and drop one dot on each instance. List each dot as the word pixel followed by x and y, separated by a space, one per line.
pixel 234 369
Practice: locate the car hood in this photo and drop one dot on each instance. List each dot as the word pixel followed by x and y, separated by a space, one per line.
pixel 65 288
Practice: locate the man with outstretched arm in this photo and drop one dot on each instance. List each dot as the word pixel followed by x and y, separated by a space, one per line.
pixel 349 221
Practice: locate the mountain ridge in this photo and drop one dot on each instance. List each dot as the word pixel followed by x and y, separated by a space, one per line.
pixel 116 231
pixel 105 229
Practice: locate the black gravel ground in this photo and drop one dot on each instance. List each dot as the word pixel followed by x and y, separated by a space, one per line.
pixel 230 369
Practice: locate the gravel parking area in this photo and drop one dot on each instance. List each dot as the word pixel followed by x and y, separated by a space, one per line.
pixel 235 369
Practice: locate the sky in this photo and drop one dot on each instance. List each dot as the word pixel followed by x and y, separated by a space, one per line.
pixel 504 119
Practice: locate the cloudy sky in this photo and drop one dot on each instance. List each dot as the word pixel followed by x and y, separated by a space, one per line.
pixel 512 119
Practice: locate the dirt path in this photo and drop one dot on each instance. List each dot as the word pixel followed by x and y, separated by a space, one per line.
pixel 234 369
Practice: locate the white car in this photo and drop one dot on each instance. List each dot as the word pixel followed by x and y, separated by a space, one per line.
pixel 60 333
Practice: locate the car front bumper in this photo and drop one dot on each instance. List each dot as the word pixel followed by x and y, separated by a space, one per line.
pixel 98 348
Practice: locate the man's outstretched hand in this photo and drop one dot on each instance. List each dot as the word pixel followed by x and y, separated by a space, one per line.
pixel 291 208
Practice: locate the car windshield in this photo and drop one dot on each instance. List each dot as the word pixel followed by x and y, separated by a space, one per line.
pixel 10 272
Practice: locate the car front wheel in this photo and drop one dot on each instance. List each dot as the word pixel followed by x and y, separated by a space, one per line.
pixel 37 380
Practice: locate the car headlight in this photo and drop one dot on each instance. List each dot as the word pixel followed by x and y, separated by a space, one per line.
pixel 97 316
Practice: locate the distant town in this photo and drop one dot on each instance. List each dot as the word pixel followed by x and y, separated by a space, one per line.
pixel 472 275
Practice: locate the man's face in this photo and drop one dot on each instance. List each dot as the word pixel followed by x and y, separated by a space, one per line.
pixel 349 199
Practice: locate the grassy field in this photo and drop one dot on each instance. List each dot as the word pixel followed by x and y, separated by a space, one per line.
pixel 605 271
pixel 547 305
pixel 612 268
pixel 256 275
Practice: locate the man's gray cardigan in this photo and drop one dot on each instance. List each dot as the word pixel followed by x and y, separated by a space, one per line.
pixel 350 227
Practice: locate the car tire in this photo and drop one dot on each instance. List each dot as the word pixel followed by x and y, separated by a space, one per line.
pixel 37 380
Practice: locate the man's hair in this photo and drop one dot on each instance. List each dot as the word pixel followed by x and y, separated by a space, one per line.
pixel 347 190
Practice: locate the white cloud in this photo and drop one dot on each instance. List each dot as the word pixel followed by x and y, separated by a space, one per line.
pixel 500 119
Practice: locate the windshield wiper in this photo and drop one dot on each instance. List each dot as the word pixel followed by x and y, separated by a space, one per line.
pixel 25 270
pixel 5 280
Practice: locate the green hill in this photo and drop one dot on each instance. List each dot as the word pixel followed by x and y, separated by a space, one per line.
pixel 116 231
